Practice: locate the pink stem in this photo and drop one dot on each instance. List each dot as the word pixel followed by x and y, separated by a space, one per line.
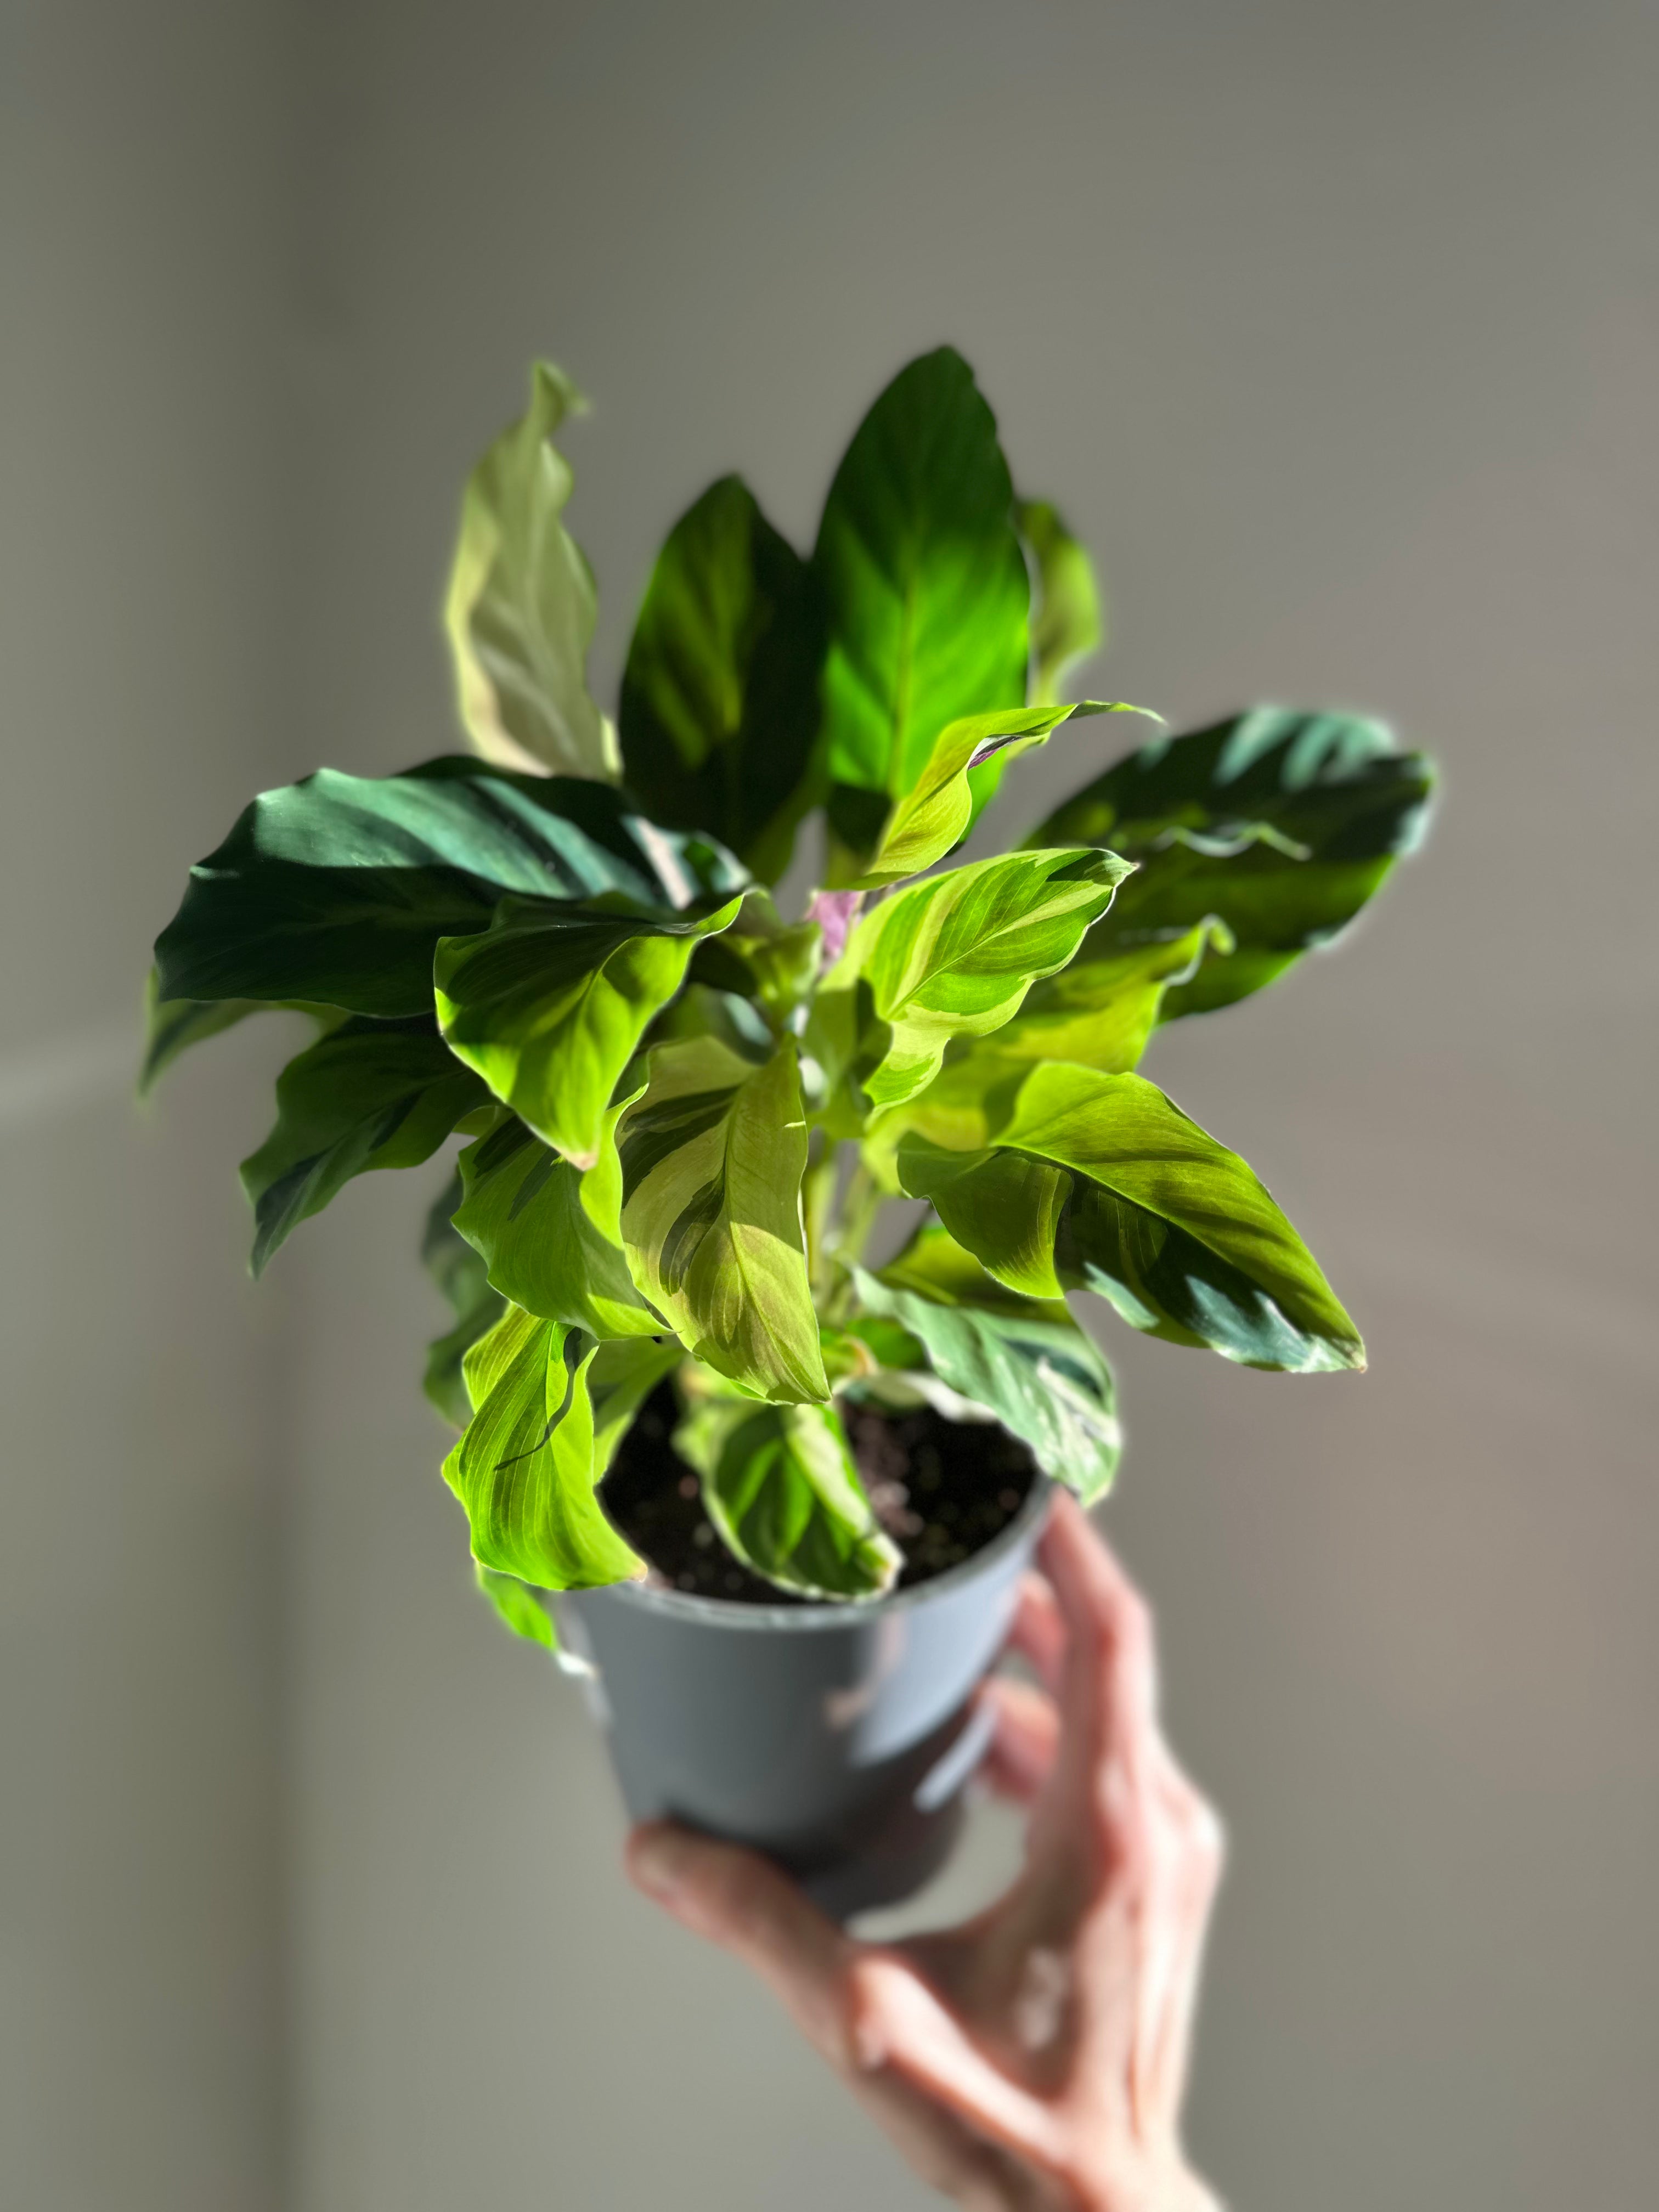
pixel 835 912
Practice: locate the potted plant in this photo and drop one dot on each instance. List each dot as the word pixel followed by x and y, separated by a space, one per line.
pixel 782 1478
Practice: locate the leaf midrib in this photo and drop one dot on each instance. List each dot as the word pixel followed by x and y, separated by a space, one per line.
pixel 1002 929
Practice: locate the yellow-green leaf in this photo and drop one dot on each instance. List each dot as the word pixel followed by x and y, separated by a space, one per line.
pixel 521 608
pixel 926 821
pixel 1100 1011
pixel 1066 618
pixel 524 1468
pixel 712 1159
pixel 1093 1182
pixel 549 1233
pixel 954 957
pixel 517 1606
pixel 779 1485
pixel 549 1003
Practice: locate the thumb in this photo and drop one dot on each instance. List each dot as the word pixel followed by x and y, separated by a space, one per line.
pixel 899 2022
pixel 750 1907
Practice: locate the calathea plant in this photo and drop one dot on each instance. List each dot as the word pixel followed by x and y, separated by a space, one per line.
pixel 683 1109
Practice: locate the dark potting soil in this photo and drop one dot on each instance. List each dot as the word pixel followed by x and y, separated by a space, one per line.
pixel 941 1489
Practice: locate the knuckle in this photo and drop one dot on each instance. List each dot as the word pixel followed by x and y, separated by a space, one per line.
pixel 1127 1630
pixel 1123 1826
pixel 1207 1833
pixel 1135 1622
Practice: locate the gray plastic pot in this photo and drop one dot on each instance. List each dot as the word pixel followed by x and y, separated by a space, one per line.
pixel 836 1738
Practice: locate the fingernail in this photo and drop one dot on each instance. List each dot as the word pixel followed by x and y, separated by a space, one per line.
pixel 656 1860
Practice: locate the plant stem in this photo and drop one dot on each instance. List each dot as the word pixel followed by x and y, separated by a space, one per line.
pixel 818 1201
pixel 835 912
pixel 863 1202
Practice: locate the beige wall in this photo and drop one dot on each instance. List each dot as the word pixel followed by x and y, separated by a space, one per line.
pixel 1334 329
pixel 142 1388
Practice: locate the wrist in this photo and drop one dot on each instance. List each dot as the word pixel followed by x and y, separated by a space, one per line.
pixel 1171 2187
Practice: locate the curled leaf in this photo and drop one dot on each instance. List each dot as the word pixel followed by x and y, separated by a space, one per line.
pixel 521 608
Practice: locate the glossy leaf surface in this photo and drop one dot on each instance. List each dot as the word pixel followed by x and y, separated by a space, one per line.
pixel 549 1235
pixel 720 696
pixel 712 1160
pixel 1280 823
pixel 958 1111
pixel 521 608
pixel 1024 1359
pixel 1099 1182
pixel 935 815
pixel 369 1095
pixel 338 888
pixel 954 957
pixel 549 1003
pixel 779 1485
pixel 924 580
pixel 1067 625
pixel 524 1468
pixel 1101 1010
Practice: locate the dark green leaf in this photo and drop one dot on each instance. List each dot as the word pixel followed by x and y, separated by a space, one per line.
pixel 521 608
pixel 1099 1182
pixel 172 1025
pixel 712 1160
pixel 460 1274
pixel 524 1467
pixel 1065 620
pixel 924 580
pixel 1280 824
pixel 549 1003
pixel 779 1485
pixel 338 888
pixel 551 1235
pixel 719 697
pixel 369 1095
pixel 1024 1359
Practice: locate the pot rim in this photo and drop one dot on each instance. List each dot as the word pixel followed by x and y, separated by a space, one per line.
pixel 733 1612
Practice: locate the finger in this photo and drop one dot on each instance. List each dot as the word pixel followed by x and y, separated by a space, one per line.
pixel 1200 1857
pixel 898 2023
pixel 1110 1673
pixel 1026 1741
pixel 1104 1787
pixel 945 2153
pixel 1037 1632
pixel 741 1901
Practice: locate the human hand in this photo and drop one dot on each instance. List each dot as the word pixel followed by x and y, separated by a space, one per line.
pixel 1033 2059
